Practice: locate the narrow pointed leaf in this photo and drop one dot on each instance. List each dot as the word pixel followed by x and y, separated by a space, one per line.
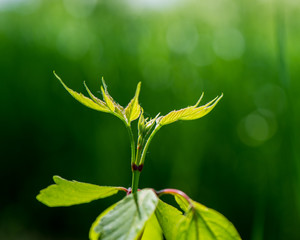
pixel 113 107
pixel 127 219
pixel 205 223
pixel 203 110
pixel 152 230
pixel 81 98
pixel 119 111
pixel 189 113
pixel 169 218
pixel 68 193
pixel 133 109
pixel 108 100
pixel 97 100
pixel 198 102
pixel 176 115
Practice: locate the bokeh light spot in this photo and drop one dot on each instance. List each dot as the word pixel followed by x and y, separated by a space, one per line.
pixel 27 6
pixel 74 41
pixel 80 8
pixel 157 72
pixel 203 54
pixel 182 37
pixel 257 127
pixel 152 4
pixel 229 44
pixel 270 96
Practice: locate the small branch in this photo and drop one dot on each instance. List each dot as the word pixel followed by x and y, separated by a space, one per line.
pixel 142 159
pixel 122 189
pixel 132 142
pixel 175 192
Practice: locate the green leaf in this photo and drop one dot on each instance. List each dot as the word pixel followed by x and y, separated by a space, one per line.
pixel 189 113
pixel 92 234
pixel 182 202
pixel 67 193
pixel 128 218
pixel 203 110
pixel 169 218
pixel 133 109
pixel 107 98
pixel 83 99
pixel 95 99
pixel 152 230
pixel 201 222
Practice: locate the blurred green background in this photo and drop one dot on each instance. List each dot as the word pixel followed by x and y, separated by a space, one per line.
pixel 241 159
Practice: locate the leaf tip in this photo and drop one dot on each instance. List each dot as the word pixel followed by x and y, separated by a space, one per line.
pixel 104 84
pixel 198 102
pixel 57 179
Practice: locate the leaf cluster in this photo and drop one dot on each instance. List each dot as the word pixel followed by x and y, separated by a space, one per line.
pixel 140 214
pixel 133 110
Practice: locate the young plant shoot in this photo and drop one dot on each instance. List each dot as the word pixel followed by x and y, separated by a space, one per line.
pixel 141 214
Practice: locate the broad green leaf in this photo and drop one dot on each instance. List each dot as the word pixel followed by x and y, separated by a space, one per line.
pixel 67 193
pixel 83 99
pixel 92 234
pixel 188 228
pixel 127 219
pixel 189 113
pixel 152 229
pixel 133 109
pixel 169 218
pixel 205 223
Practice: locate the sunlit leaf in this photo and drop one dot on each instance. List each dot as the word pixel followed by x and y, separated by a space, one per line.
pixel 96 100
pixel 83 99
pixel 127 219
pixel 205 223
pixel 152 230
pixel 67 193
pixel 107 98
pixel 119 112
pixel 169 218
pixel 189 113
pixel 182 202
pixel 177 114
pixel 203 110
pixel 133 109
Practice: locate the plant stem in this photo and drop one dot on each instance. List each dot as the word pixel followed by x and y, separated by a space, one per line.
pixel 135 173
pixel 122 189
pixel 132 143
pixel 135 180
pixel 147 144
pixel 175 192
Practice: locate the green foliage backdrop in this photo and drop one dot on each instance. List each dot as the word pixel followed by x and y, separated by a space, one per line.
pixel 241 159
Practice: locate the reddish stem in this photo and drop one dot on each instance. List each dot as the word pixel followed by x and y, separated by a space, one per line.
pixel 122 189
pixel 175 192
